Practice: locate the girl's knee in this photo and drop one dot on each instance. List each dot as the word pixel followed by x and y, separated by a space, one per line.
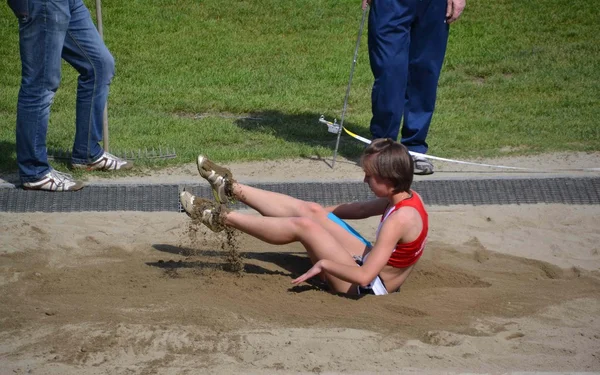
pixel 303 224
pixel 314 210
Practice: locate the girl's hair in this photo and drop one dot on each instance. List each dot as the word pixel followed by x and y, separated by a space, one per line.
pixel 391 161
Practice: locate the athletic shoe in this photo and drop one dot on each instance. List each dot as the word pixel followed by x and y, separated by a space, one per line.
pixel 106 162
pixel 54 181
pixel 207 212
pixel 219 178
pixel 422 165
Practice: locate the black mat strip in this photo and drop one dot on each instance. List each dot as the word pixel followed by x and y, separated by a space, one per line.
pixel 434 192
pixel 93 198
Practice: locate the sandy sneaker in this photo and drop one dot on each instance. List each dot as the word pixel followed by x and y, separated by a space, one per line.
pixel 106 162
pixel 219 178
pixel 54 181
pixel 204 211
pixel 422 165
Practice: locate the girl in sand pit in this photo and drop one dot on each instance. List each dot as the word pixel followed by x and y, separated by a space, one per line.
pixel 349 263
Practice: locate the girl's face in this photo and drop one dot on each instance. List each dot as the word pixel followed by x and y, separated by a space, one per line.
pixel 380 187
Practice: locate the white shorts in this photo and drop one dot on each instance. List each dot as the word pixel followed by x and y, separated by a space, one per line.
pixel 376 287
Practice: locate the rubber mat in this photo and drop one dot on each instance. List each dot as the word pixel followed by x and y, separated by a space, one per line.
pixel 434 192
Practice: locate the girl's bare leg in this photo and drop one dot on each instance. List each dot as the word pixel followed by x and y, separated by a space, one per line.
pixel 321 237
pixel 226 188
pixel 272 204
pixel 269 203
pixel 317 240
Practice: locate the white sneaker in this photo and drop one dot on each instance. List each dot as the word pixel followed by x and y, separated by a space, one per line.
pixel 219 178
pixel 207 212
pixel 422 165
pixel 54 181
pixel 106 162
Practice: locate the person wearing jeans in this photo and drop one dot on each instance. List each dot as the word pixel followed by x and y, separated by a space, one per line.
pixel 49 31
pixel 407 44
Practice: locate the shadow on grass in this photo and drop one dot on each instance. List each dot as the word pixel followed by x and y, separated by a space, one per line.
pixel 295 264
pixel 8 163
pixel 303 128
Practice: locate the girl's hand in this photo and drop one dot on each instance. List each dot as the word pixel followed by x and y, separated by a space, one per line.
pixel 316 269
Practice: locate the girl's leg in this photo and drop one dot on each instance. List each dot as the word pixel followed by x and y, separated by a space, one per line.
pixel 273 204
pixel 322 238
pixel 269 203
pixel 226 189
pixel 318 242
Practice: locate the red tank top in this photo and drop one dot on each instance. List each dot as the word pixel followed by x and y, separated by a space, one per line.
pixel 407 254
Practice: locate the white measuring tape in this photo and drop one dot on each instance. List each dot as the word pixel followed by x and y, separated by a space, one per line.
pixel 334 128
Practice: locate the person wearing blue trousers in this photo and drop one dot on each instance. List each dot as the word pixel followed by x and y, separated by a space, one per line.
pixel 49 31
pixel 407 44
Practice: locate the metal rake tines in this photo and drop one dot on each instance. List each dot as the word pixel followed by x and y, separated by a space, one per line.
pixel 58 154
pixel 160 153
pixel 152 153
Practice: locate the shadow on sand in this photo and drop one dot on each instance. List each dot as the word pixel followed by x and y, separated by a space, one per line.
pixel 294 264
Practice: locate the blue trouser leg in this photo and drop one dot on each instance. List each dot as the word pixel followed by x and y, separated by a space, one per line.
pixel 41 37
pixel 429 36
pixel 389 39
pixel 407 44
pixel 55 29
pixel 87 53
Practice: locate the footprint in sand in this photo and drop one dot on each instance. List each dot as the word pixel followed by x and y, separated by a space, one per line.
pixel 442 338
pixel 515 335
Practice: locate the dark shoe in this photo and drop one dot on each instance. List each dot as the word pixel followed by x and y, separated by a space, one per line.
pixel 422 165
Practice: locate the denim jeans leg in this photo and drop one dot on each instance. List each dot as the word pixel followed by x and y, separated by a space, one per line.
pixel 41 37
pixel 87 53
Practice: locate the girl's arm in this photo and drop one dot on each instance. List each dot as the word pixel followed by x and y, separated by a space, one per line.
pixel 359 210
pixel 391 232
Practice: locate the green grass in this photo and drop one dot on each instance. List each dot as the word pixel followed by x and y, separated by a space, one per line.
pixel 519 75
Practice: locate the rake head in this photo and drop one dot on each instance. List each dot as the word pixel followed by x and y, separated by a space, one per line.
pixel 63 155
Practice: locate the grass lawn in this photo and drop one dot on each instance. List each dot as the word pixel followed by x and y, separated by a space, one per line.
pixel 248 80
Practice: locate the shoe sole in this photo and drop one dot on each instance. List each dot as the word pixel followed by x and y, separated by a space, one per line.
pixel 424 173
pixel 55 191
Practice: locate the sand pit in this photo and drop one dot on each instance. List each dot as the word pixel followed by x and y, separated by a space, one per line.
pixel 499 289
pixel 511 288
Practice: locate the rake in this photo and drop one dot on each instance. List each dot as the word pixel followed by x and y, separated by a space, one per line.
pixel 56 154
pixel 334 127
pixel 160 153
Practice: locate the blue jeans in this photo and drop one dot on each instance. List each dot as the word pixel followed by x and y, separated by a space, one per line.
pixel 407 44
pixel 48 31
